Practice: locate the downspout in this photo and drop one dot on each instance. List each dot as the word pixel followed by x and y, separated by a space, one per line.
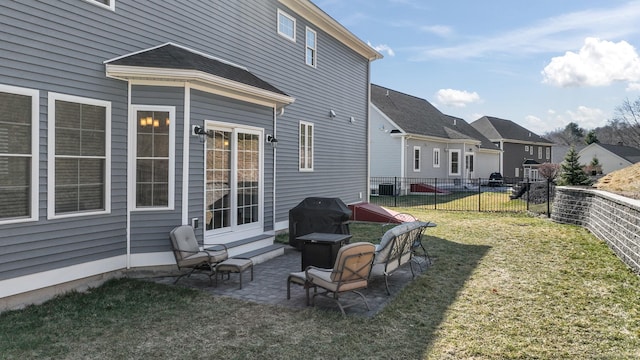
pixel 129 172
pixel 186 145
pixel 368 137
pixel 273 200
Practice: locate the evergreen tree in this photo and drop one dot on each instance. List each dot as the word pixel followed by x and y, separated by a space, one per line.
pixel 572 172
pixel 591 138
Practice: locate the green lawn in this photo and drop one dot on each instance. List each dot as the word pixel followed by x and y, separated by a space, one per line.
pixel 503 286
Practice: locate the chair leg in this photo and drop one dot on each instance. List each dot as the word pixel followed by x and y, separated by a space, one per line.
pixel 386 284
pixel 363 299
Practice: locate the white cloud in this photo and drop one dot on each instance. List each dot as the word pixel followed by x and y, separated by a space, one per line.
pixel 547 36
pixel 585 117
pixel 440 30
pixel 588 118
pixel 383 48
pixel 457 98
pixel 633 86
pixel 598 63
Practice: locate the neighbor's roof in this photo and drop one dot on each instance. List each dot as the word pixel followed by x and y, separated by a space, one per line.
pixel 628 153
pixel 418 117
pixel 500 129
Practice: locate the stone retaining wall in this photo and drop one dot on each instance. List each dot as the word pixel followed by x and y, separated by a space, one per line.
pixel 612 218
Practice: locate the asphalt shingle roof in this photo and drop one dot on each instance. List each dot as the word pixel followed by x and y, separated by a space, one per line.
pixel 629 153
pixel 496 128
pixel 170 56
pixel 417 116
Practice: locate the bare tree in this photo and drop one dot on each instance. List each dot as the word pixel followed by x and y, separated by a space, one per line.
pixel 549 171
pixel 626 122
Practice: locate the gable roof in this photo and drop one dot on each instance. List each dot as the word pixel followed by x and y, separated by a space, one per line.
pixel 173 62
pixel 500 129
pixel 418 117
pixel 628 153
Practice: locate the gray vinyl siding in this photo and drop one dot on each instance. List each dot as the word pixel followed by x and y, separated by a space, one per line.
pixel 386 150
pixel 60 46
pixel 205 106
pixel 340 82
pixel 514 156
pixel 150 228
pixel 50 64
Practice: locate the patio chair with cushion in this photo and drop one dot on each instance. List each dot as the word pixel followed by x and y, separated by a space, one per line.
pixel 189 256
pixel 350 273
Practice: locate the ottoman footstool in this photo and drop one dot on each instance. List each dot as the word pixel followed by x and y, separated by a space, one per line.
pixel 234 266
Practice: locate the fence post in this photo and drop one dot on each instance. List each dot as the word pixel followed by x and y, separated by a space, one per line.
pixel 479 197
pixel 435 194
pixel 395 187
pixel 548 198
pixel 528 188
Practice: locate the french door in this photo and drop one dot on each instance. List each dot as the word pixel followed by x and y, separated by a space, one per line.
pixel 233 175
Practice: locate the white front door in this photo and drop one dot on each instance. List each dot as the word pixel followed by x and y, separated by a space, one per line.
pixel 233 175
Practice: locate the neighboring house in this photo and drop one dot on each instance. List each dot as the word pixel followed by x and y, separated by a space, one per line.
pixel 121 119
pixel 610 157
pixel 523 150
pixel 410 138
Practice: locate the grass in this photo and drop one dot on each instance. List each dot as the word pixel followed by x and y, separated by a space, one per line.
pixel 503 286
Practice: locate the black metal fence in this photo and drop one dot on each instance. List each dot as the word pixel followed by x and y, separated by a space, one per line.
pixel 480 194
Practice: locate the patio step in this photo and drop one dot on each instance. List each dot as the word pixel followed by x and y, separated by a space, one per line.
pixel 257 248
pixel 263 254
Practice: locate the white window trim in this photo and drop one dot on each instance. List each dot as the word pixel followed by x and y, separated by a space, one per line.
pixel 539 152
pixel 548 153
pixel 531 150
pixel 35 146
pixel 286 36
pixel 314 63
pixel 451 161
pixel 313 152
pixel 133 145
pixel 111 6
pixel 51 160
pixel 436 157
pixel 526 148
pixel 413 157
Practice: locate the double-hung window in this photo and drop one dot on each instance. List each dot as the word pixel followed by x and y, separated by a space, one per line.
pixel 454 162
pixel 311 46
pixel 154 157
pixel 306 146
pixel 416 158
pixel 19 109
pixel 79 156
pixel 286 25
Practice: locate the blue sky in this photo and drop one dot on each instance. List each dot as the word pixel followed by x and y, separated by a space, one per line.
pixel 541 64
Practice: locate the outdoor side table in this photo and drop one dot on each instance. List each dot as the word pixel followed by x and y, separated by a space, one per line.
pixel 321 249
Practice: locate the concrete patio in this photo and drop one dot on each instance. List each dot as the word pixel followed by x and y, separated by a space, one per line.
pixel 269 285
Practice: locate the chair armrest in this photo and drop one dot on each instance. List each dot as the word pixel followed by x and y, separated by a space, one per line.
pixel 216 247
